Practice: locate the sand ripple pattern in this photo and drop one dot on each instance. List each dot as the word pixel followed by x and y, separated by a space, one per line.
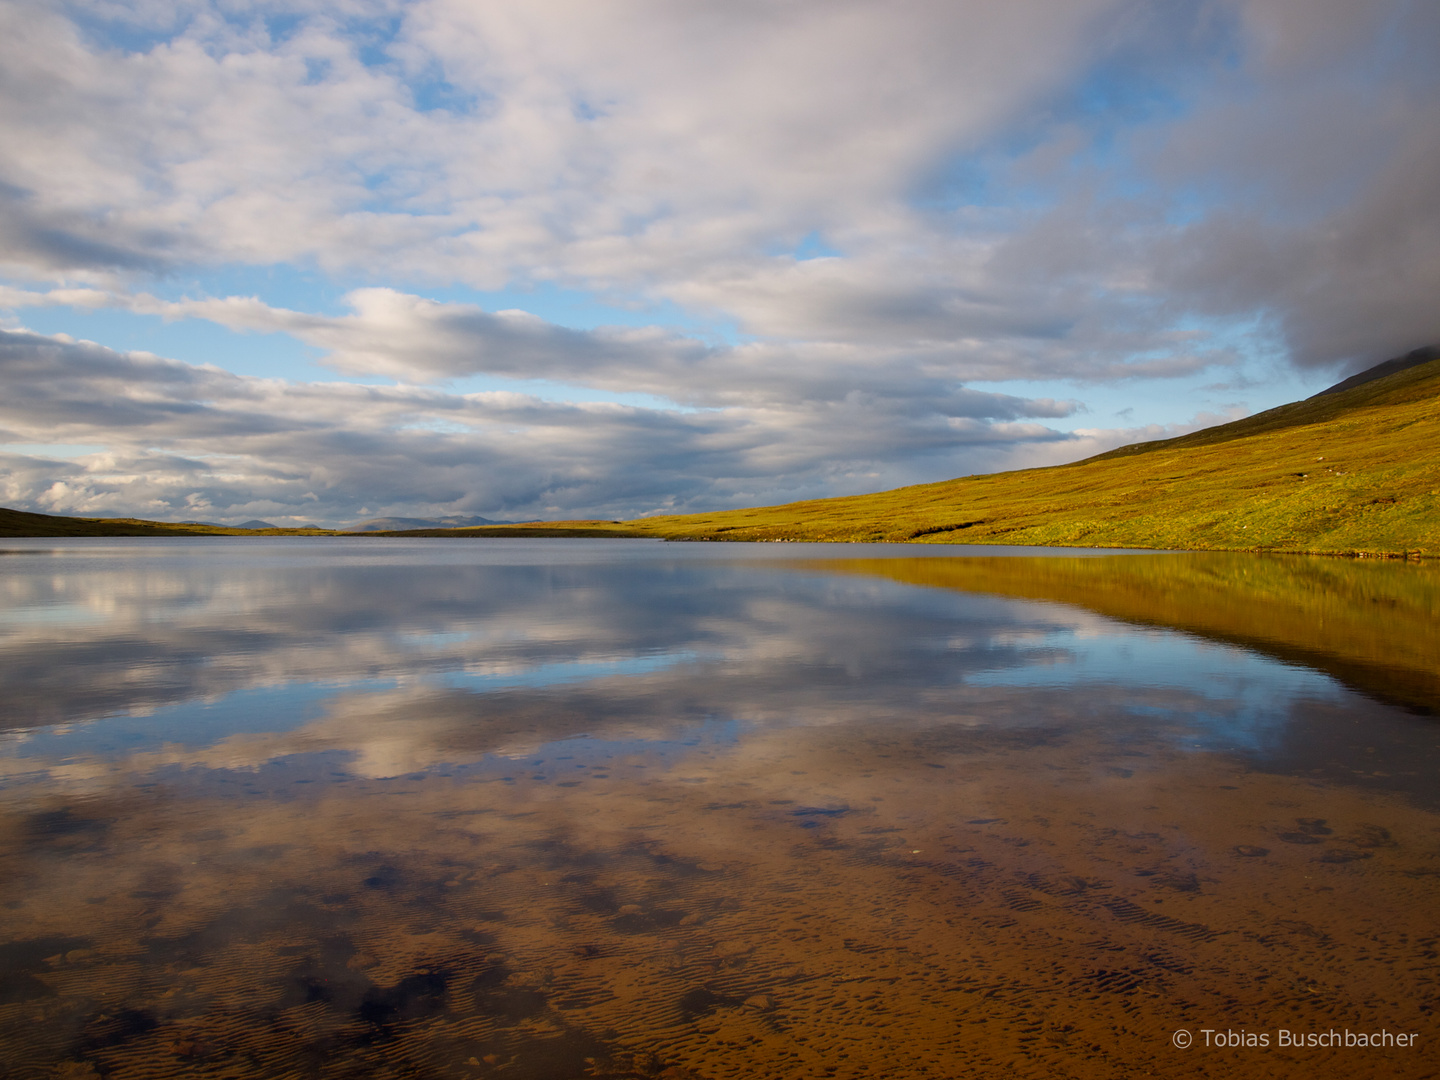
pixel 830 904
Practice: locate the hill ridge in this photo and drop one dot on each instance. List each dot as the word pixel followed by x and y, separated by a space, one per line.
pixel 1389 382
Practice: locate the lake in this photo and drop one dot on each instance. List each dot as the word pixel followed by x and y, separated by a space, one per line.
pixel 552 809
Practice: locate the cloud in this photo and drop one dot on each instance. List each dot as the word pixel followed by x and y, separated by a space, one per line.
pixel 48 239
pixel 1322 170
pixel 662 148
pixel 200 442
pixel 412 339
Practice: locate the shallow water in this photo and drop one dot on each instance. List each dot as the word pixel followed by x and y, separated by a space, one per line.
pixel 552 809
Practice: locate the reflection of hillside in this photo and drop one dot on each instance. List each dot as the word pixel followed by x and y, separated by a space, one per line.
pixel 1373 625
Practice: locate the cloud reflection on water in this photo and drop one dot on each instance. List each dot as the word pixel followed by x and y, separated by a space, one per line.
pixel 407 656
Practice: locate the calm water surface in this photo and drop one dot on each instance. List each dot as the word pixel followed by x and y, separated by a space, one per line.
pixel 555 809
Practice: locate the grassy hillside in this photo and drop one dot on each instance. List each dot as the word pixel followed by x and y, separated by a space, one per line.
pixel 19 523
pixel 1353 471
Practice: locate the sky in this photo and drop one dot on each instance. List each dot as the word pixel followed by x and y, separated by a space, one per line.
pixel 327 260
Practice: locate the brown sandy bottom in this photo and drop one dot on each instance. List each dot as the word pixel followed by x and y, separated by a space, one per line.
pixel 827 902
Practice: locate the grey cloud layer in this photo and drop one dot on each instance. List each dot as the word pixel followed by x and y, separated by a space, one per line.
pixel 1325 159
pixel 412 339
pixel 672 147
pixel 200 442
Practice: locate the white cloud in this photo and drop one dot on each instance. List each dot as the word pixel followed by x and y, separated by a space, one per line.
pixel 415 340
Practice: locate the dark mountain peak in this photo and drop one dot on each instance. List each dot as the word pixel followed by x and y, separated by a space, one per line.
pixel 1387 367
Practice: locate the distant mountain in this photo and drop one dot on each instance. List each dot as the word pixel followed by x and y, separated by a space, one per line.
pixel 396 524
pixel 253 523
